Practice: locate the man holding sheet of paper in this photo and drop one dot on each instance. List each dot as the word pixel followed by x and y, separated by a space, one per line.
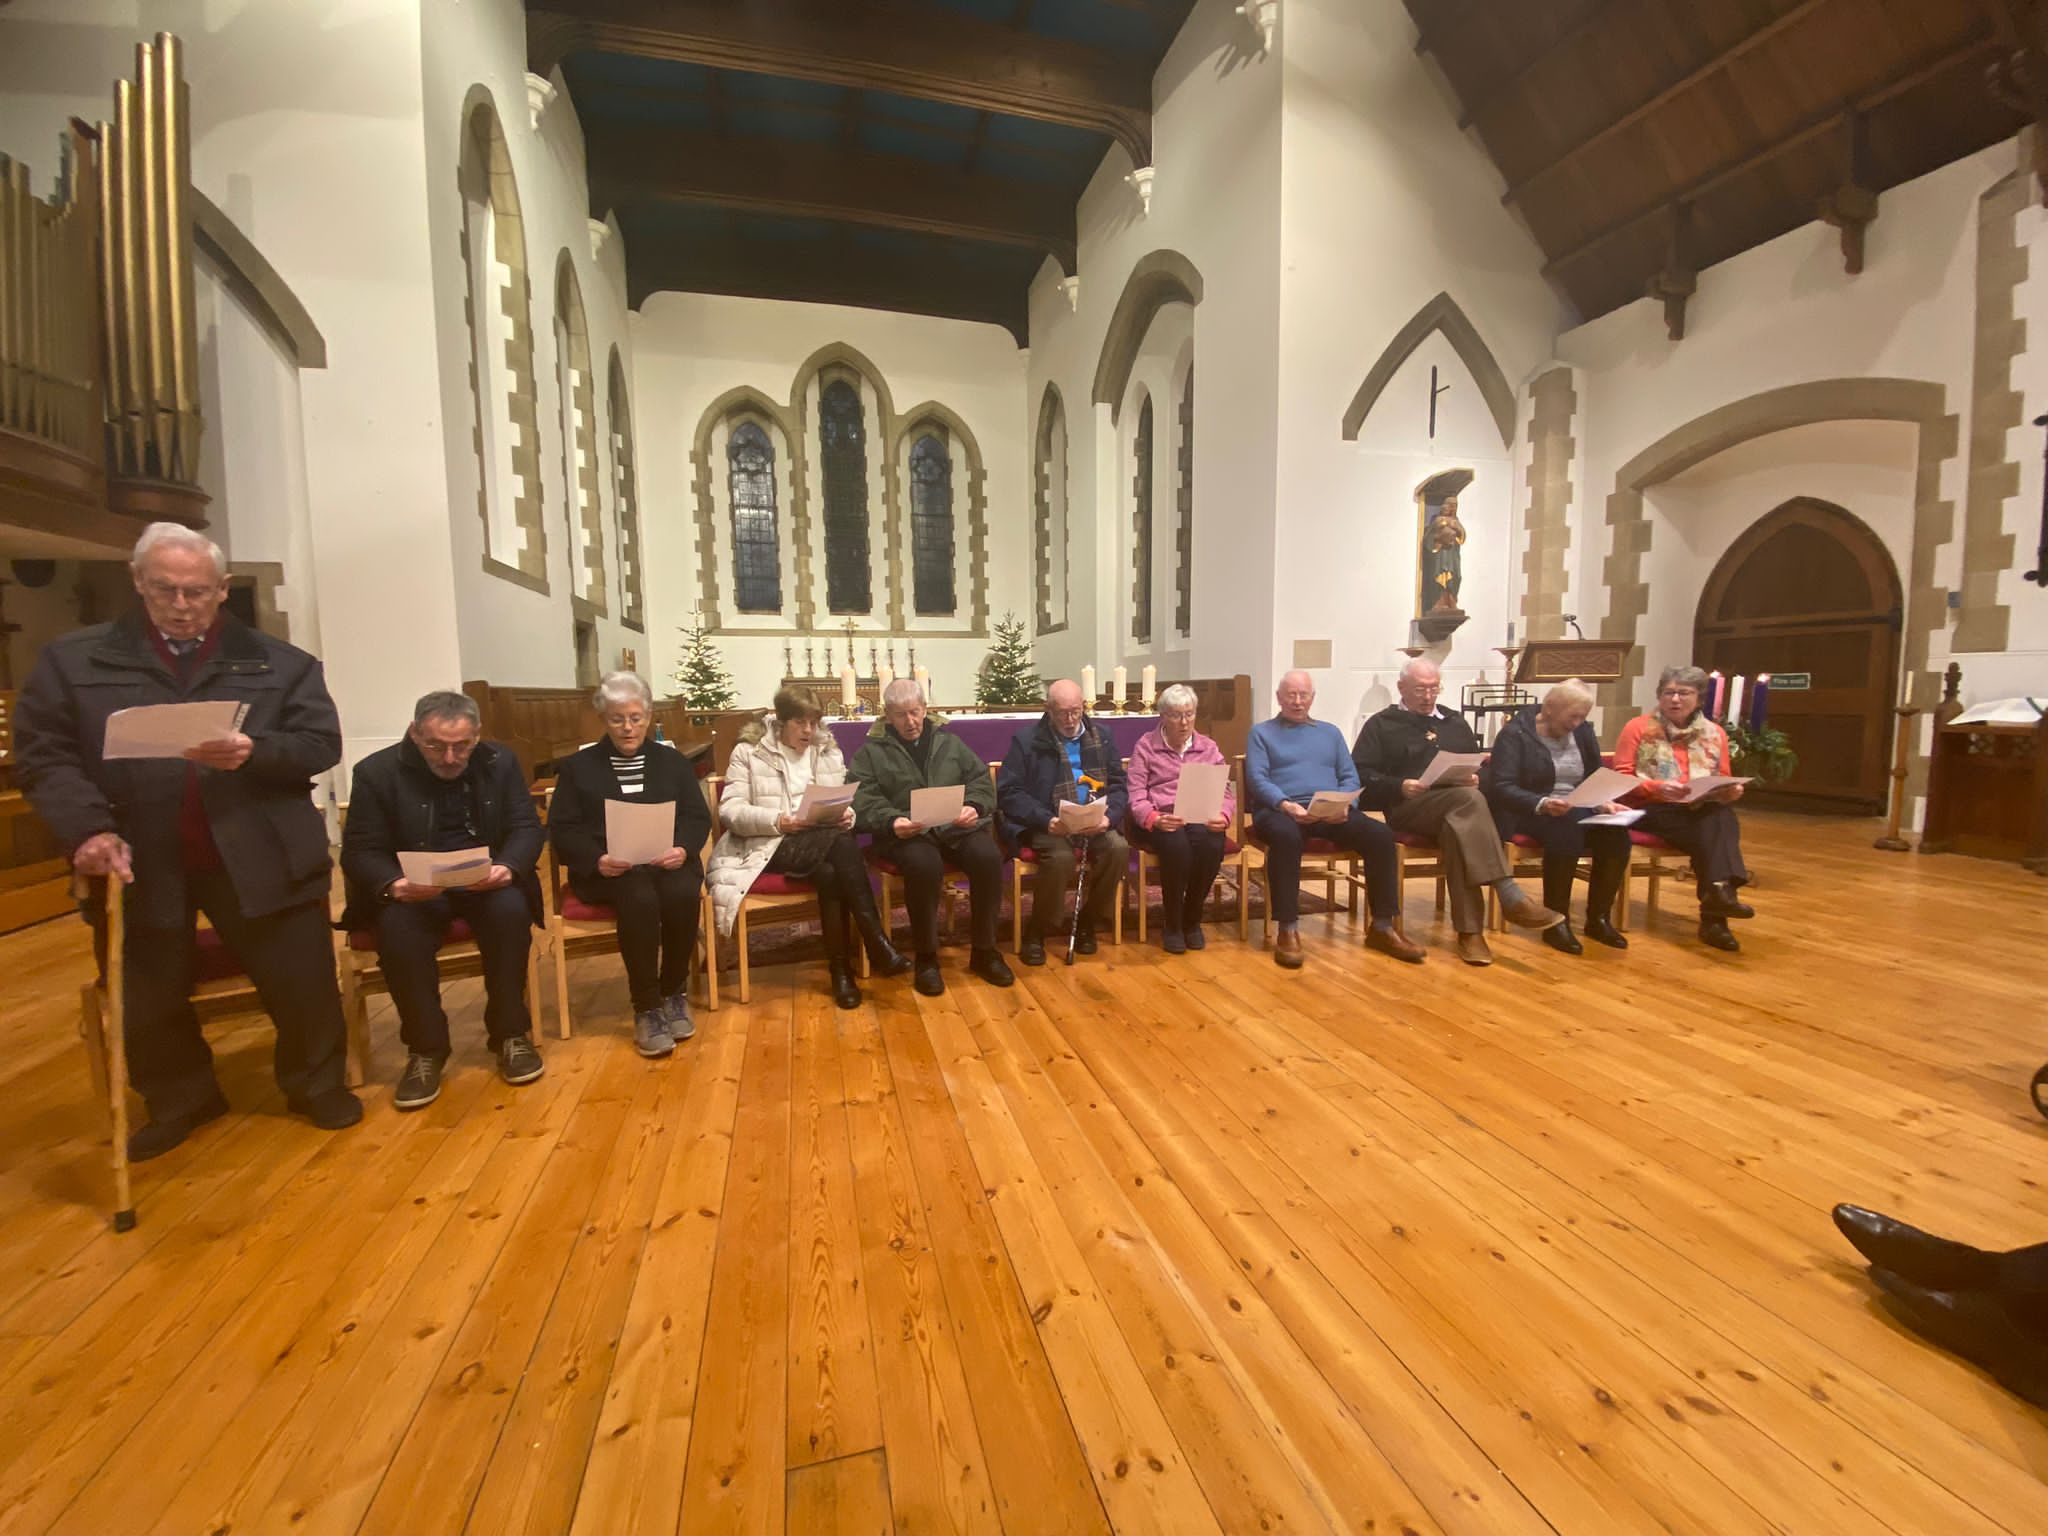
pixel 1674 751
pixel 905 765
pixel 1287 761
pixel 224 824
pixel 1419 764
pixel 441 831
pixel 788 811
pixel 655 890
pixel 1054 768
pixel 1182 805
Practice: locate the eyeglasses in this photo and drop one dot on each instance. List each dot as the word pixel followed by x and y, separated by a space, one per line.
pixel 448 748
pixel 1678 693
pixel 167 592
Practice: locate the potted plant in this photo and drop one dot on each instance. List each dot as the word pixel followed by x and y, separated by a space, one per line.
pixel 1764 754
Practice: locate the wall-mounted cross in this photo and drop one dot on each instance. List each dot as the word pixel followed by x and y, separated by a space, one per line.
pixel 1435 389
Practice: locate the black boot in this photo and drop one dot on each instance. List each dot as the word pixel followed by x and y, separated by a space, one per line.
pixel 844 992
pixel 1606 885
pixel 884 958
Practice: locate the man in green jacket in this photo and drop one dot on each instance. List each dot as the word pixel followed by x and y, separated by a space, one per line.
pixel 905 752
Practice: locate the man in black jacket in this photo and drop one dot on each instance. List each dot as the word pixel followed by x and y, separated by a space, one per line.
pixel 1047 763
pixel 444 790
pixel 1392 750
pixel 230 831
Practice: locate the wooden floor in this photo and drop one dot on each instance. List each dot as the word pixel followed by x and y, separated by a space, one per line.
pixel 1145 1245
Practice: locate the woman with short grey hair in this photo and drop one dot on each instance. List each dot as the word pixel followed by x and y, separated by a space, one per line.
pixel 1189 856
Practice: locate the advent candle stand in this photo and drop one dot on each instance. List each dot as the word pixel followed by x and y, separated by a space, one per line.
pixel 1902 747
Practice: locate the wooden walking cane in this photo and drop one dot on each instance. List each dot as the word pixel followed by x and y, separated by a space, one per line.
pixel 116 1017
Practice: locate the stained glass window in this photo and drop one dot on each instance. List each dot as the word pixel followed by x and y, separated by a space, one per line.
pixel 931 524
pixel 842 436
pixel 1141 531
pixel 756 545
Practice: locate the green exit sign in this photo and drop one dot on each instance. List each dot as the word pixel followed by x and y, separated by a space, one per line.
pixel 1791 682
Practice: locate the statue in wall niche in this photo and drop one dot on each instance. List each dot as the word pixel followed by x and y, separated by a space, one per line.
pixel 1442 561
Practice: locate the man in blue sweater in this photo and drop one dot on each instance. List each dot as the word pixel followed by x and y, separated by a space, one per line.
pixel 1288 760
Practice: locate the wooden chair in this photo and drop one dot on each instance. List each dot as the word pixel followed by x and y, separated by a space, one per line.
pixel 1143 861
pixel 1318 856
pixel 772 899
pixel 1027 858
pixel 1653 860
pixel 1421 858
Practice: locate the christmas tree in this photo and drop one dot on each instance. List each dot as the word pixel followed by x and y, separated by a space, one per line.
pixel 702 679
pixel 1009 676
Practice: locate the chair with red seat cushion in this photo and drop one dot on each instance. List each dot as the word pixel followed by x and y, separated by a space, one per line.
pixel 1417 855
pixel 1318 856
pixel 1029 856
pixel 1650 858
pixel 952 890
pixel 774 898
pixel 576 927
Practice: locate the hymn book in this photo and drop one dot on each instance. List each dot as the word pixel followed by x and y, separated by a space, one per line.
pixel 465 866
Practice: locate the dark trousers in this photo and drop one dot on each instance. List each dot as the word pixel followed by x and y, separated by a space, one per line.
pixel 657 914
pixel 1709 832
pixel 1188 862
pixel 1058 860
pixel 1372 840
pixel 1565 841
pixel 409 935
pixel 924 860
pixel 841 881
pixel 289 956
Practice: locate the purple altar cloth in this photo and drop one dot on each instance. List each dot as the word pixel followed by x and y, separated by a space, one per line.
pixel 990 735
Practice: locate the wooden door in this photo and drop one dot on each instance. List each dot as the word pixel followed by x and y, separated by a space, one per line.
pixel 1810 593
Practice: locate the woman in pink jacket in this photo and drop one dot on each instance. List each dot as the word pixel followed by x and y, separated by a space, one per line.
pixel 1189 856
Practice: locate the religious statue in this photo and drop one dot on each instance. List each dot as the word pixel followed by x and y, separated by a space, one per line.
pixel 1442 564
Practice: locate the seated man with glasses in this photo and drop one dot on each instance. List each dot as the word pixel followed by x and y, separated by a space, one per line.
pixel 442 789
pixel 1064 757
pixel 1392 750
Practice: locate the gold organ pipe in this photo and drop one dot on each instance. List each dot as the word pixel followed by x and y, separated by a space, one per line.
pixel 178 213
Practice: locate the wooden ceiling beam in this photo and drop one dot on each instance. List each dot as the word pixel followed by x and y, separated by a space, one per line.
pixel 833 275
pixel 1732 54
pixel 887 45
pixel 826 181
pixel 1504 91
pixel 1977 47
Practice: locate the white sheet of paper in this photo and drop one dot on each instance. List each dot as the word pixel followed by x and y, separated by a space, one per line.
pixel 1627 816
pixel 1445 762
pixel 823 805
pixel 1707 783
pixel 465 866
pixel 166 730
pixel 1198 797
pixel 637 833
pixel 1332 804
pixel 1076 819
pixel 1603 785
pixel 2020 711
pixel 937 806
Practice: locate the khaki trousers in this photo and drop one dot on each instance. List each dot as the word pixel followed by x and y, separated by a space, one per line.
pixel 1462 825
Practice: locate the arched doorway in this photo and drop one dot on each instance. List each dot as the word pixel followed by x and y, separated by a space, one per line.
pixel 1811 596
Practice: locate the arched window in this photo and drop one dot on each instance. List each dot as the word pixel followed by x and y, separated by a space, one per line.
pixel 1141 528
pixel 842 438
pixel 1049 508
pixel 756 543
pixel 1184 499
pixel 576 393
pixel 626 497
pixel 931 524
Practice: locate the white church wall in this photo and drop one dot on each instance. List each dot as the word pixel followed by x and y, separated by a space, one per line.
pixel 1156 375
pixel 689 349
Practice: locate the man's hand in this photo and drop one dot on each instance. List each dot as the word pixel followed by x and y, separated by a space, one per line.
pixel 1553 805
pixel 1457 778
pixel 675 858
pixel 905 828
pixel 1410 788
pixel 1168 822
pixel 846 819
pixel 968 816
pixel 610 867
pixel 1728 793
pixel 402 889
pixel 497 879
pixel 227 754
pixel 105 855
pixel 1298 812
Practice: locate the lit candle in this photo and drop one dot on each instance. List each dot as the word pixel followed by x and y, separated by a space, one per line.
pixel 1759 701
pixel 924 682
pixel 885 674
pixel 1088 684
pixel 1148 686
pixel 849 690
pixel 1117 677
pixel 1734 716
pixel 1716 685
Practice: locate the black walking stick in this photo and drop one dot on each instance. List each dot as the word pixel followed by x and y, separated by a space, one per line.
pixel 1080 876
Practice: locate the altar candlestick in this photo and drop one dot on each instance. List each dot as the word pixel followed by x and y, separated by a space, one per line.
pixel 1759 701
pixel 1716 686
pixel 1088 684
pixel 885 674
pixel 1148 686
pixel 849 689
pixel 924 683
pixel 1117 678
pixel 1735 700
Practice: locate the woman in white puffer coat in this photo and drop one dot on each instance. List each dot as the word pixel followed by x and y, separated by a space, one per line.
pixel 774 762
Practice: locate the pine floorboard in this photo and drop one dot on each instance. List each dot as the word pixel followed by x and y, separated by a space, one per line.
pixel 1145 1244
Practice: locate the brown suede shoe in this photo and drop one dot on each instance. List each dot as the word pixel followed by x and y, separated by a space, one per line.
pixel 1530 914
pixel 1381 936
pixel 1472 949
pixel 1287 949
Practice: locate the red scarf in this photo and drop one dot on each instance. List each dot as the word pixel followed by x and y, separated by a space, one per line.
pixel 195 836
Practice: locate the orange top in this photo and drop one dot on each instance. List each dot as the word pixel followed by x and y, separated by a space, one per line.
pixel 1632 734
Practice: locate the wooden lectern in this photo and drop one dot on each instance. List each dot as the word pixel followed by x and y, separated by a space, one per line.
pixel 1987 792
pixel 1590 661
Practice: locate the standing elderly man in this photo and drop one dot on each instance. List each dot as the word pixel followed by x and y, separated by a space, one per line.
pixel 231 830
pixel 904 752
pixel 442 789
pixel 1288 761
pixel 1392 750
pixel 1065 756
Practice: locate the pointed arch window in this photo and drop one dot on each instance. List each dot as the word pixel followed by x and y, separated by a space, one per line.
pixel 1141 529
pixel 1184 506
pixel 1049 505
pixel 842 438
pixel 931 524
pixel 756 540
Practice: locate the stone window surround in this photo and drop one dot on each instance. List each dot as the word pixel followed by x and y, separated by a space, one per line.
pixel 1052 415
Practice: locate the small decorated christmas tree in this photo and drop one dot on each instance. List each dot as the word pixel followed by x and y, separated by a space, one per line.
pixel 702 680
pixel 1009 675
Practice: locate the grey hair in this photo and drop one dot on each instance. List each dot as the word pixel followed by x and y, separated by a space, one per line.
pixel 447 704
pixel 1176 696
pixel 1570 691
pixel 618 688
pixel 176 536
pixel 903 690
pixel 1415 664
pixel 1685 677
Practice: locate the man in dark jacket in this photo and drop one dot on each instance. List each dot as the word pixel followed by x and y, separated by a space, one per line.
pixel 230 831
pixel 1392 750
pixel 1059 759
pixel 444 790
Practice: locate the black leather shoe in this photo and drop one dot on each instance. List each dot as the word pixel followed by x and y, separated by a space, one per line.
pixel 420 1083
pixel 1976 1325
pixel 885 959
pixel 1560 937
pixel 1715 935
pixel 1084 939
pixel 1721 901
pixel 844 992
pixel 991 968
pixel 1919 1256
pixel 1032 950
pixel 159 1136
pixel 1602 931
pixel 928 980
pixel 332 1109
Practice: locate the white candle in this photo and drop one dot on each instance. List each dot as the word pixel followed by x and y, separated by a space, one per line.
pixel 885 674
pixel 1148 686
pixel 849 689
pixel 1117 677
pixel 1734 698
pixel 1088 685
pixel 924 682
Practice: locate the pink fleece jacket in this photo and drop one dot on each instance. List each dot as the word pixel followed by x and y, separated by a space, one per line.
pixel 1154 775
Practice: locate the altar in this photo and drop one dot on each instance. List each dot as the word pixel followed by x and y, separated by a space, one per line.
pixel 989 736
